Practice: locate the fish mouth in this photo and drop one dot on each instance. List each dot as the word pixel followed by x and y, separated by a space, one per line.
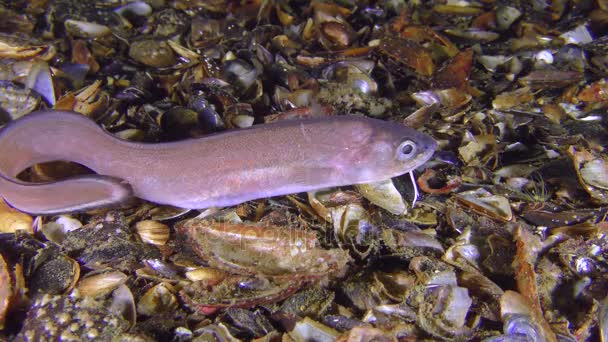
pixel 426 156
pixel 421 159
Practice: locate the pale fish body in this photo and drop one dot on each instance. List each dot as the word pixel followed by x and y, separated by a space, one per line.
pixel 218 170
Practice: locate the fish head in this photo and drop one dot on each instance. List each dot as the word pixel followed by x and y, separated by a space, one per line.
pixel 389 150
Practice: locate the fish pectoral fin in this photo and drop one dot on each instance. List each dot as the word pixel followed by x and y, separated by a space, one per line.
pixel 70 195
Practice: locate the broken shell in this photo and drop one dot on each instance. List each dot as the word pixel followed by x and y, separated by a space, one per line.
pixel 83 62
pixel 183 52
pixel 483 202
pixel 335 35
pixel 410 54
pixel 479 151
pixel 432 272
pixel 56 230
pixel 6 290
pixel 322 201
pixel 131 134
pixel 159 270
pixel 91 100
pixel 242 73
pixel 157 299
pixel 367 333
pixel 215 332
pixel 153 232
pixel 474 34
pixel 457 9
pixel 506 16
pixel 492 63
pixel 152 53
pixel 239 115
pixel 591 169
pixel 101 284
pixel 385 195
pixel 445 312
pixel 543 79
pixel 517 311
pixel 449 98
pixel 463 253
pixel 352 227
pixel 12 220
pixel 84 29
pixel 443 308
pixel 405 242
pixel 13 46
pixel 595 173
pixel 512 99
pixel 309 330
pixel 140 8
pixel 242 121
pixel 40 80
pixel 248 323
pixel 311 302
pixel 353 74
pixel 16 101
pixel 520 325
pixel 166 212
pixel 455 72
pixel 208 275
pixel 237 291
pixel 423 216
pixel 603 319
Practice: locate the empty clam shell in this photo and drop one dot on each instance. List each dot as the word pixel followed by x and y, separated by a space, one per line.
pixel 153 232
pixel 152 53
pixel 123 304
pixel 157 299
pixel 101 284
pixel 206 274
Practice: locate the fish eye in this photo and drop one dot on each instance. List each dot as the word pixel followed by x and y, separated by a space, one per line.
pixel 406 149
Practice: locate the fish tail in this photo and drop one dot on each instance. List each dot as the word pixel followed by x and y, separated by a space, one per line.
pixel 75 194
pixel 50 136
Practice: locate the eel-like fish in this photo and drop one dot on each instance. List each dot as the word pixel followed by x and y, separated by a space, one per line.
pixel 217 170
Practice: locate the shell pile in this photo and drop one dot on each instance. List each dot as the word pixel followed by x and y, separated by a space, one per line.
pixel 506 242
